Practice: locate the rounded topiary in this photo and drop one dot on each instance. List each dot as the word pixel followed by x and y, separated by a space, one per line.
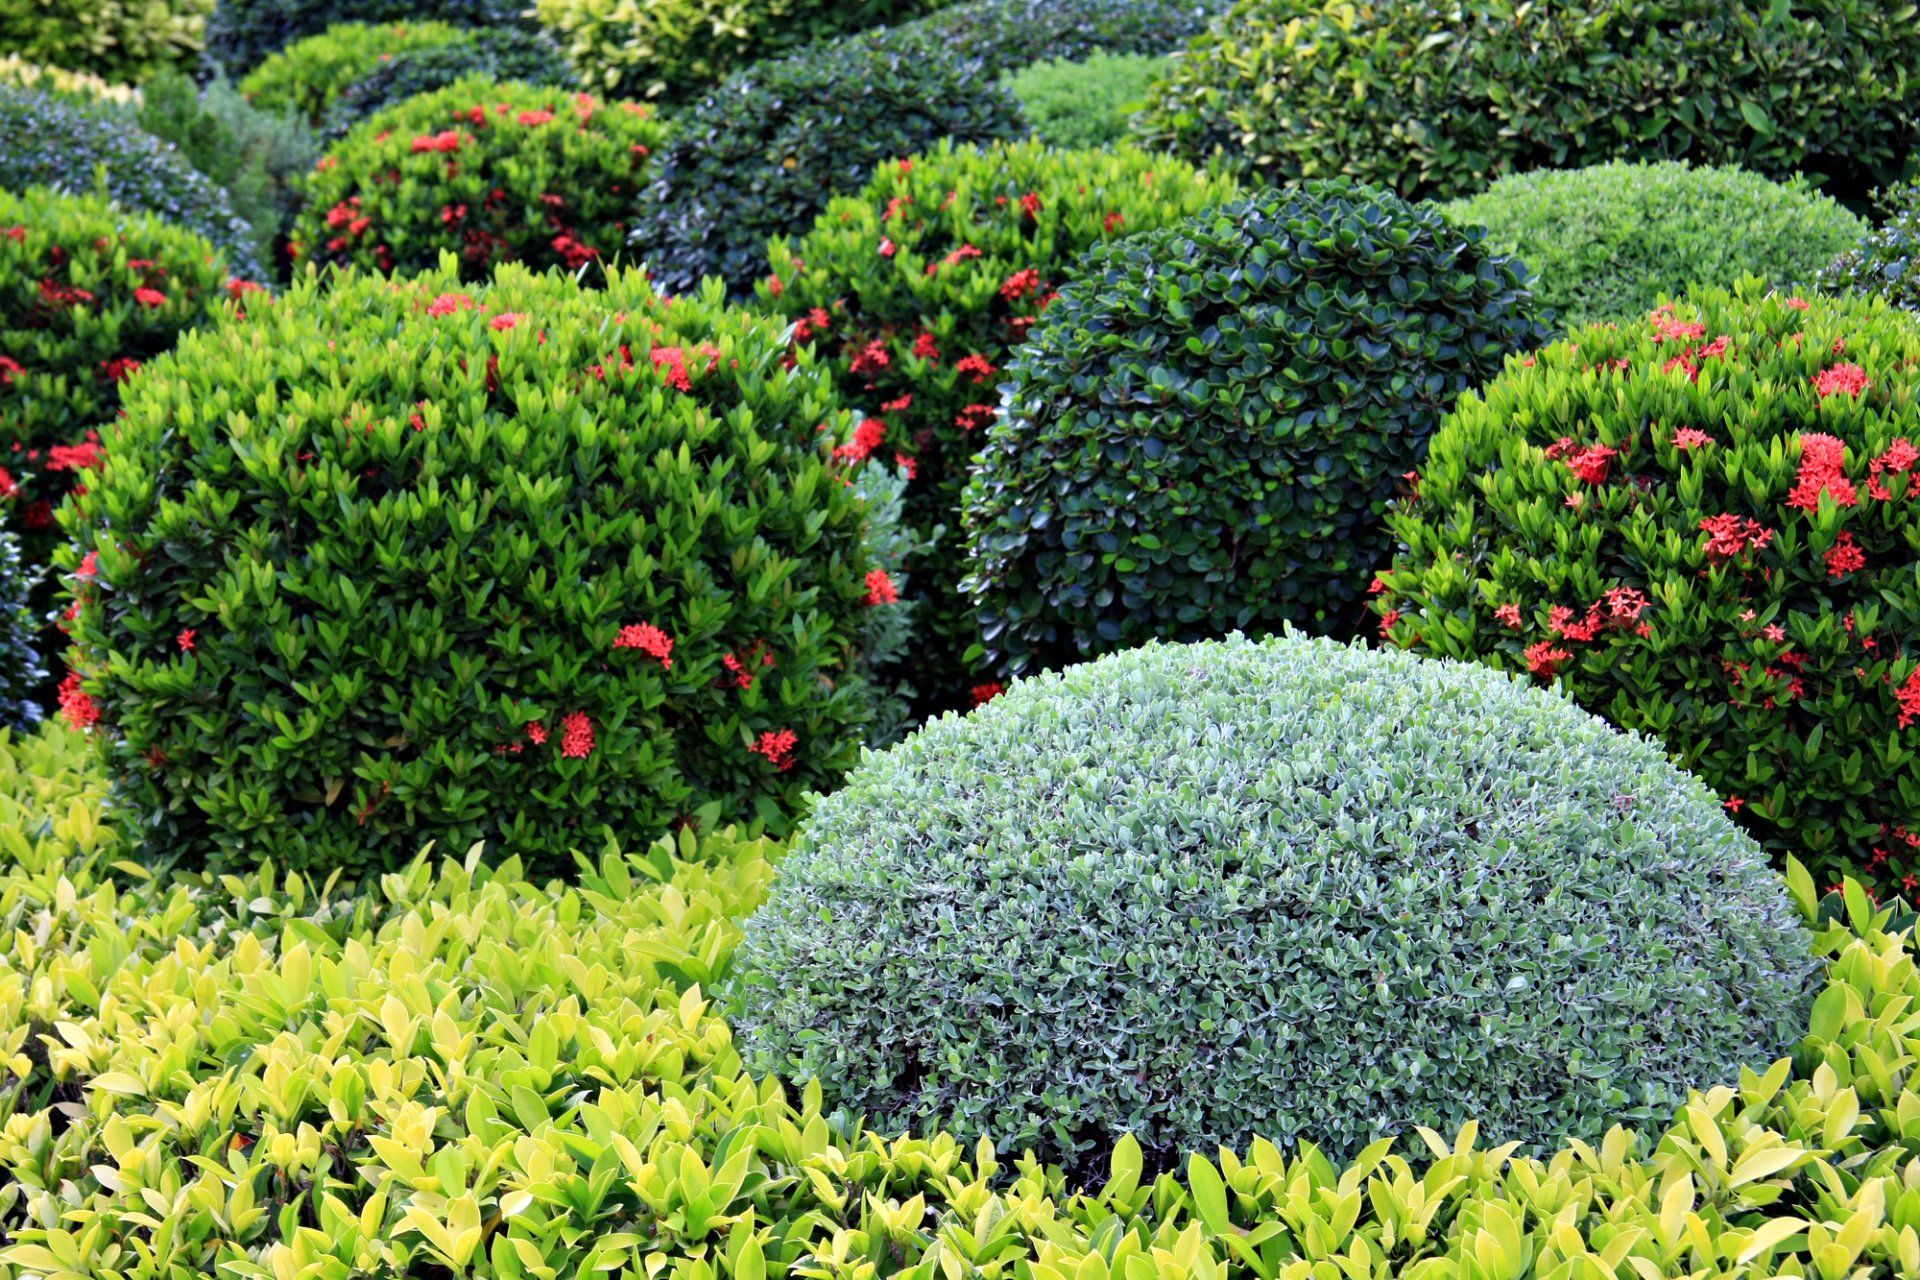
pixel 306 76
pixel 242 34
pixel 1287 889
pixel 1202 433
pixel 399 561
pixel 1612 241
pixel 505 54
pixel 920 287
pixel 1883 262
pixel 1440 97
pixel 1088 103
pixel 124 41
pixel 762 154
pixel 1699 525
pixel 492 172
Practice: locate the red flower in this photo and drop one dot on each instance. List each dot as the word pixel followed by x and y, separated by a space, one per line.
pixel 448 303
pixel 1733 804
pixel 185 639
pixel 866 438
pixel 238 288
pixel 673 361
pixel 647 638
pixel 978 365
pixel 887 249
pixel 975 415
pixel 1842 379
pixel 449 140
pixel 8 368
pixel 75 457
pixel 982 694
pixel 925 348
pixel 1544 660
pixel 89 565
pixel 80 710
pixel 907 465
pixel 1509 614
pixel 1387 621
pixel 1691 438
pixel 1020 284
pixel 1799 304
pixel 534 117
pixel 1591 464
pixel 576 735
pixel 507 320
pixel 880 588
pixel 777 747
pixel 1030 204
pixel 536 733
pixel 1821 471
pixel 1845 557
pixel 1111 221
pixel 1729 535
pixel 872 358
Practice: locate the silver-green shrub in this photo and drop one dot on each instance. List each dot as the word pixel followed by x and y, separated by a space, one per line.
pixel 1287 888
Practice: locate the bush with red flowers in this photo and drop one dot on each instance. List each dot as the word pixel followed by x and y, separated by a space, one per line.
pixel 1702 526
pixel 493 172
pixel 522 563
pixel 919 288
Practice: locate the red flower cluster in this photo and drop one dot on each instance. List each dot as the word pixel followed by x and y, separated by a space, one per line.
pixel 576 735
pixel 76 705
pixel 1841 379
pixel 1590 464
pixel 647 638
pixel 1730 535
pixel 880 588
pixel 778 747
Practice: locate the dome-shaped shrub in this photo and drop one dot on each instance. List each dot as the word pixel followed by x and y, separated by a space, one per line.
pixel 1439 97
pixel 242 33
pixel 920 287
pixel 307 75
pixel 491 172
pixel 1202 433
pixel 391 562
pixel 1884 263
pixel 1702 526
pixel 1085 104
pixel 1289 889
pixel 504 54
pixel 1612 241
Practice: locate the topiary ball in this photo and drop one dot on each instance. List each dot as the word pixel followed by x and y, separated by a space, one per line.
pixel 1085 104
pixel 1700 525
pixel 308 75
pixel 397 561
pixel 1202 433
pixel 1613 241
pixel 1286 889
pixel 1884 263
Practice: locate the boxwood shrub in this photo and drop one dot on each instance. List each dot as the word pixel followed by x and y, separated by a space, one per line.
pixel 917 291
pixel 1202 893
pixel 307 75
pixel 504 54
pixel 242 34
pixel 492 172
pixel 391 562
pixel 1440 97
pixel 1698 526
pixel 1202 433
pixel 1085 104
pixel 1613 241
pixel 1882 263
pixel 124 41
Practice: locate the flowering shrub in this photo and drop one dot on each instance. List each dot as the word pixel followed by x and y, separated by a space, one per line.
pixel 919 288
pixel 1202 433
pixel 1882 263
pixel 516 563
pixel 124 41
pixel 241 34
pixel 1085 104
pixel 1440 97
pixel 1612 241
pixel 492 172
pixel 1697 524
pixel 504 54
pixel 307 75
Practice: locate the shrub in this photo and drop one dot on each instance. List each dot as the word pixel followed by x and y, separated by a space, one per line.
pixel 1440 97
pixel 122 40
pixel 1882 263
pixel 762 154
pixel 927 280
pixel 94 148
pixel 305 77
pixel 17 71
pixel 507 54
pixel 493 172
pixel 21 671
pixel 515 565
pixel 1203 432
pixel 1007 35
pixel 1694 525
pixel 1085 104
pixel 242 34
pixel 1612 241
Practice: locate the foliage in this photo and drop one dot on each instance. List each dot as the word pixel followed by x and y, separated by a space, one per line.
pixel 519 564
pixel 919 288
pixel 1697 524
pixel 1010 34
pixel 1085 104
pixel 306 76
pixel 504 54
pixel 1440 97
pixel 1613 241
pixel 21 670
pixel 1883 262
pixel 15 70
pixel 493 172
pixel 242 34
pixel 124 41
pixel 1202 434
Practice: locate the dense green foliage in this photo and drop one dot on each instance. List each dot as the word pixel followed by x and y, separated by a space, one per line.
pixel 1440 97
pixel 761 155
pixel 21 670
pixel 919 288
pixel 122 40
pixel 492 172
pixel 1085 104
pixel 1883 262
pixel 1009 34
pixel 396 562
pixel 1611 241
pixel 1203 432
pixel 307 75
pixel 505 53
pixel 1699 526
pixel 26 74
pixel 241 34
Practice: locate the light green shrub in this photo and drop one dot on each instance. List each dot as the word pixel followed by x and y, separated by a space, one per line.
pixel 1085 104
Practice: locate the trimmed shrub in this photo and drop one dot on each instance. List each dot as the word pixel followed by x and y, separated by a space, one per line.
pixel 1085 104
pixel 918 289
pixel 1697 525
pixel 305 77
pixel 507 54
pixel 1294 890
pixel 762 154
pixel 242 34
pixel 1883 262
pixel 492 172
pixel 1440 97
pixel 1203 432
pixel 121 40
pixel 17 71
pixel 518 565
pixel 1613 241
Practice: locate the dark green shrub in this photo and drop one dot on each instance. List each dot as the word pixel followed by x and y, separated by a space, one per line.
pixel 1440 97
pixel 492 172
pixel 1202 434
pixel 21 671
pixel 1697 524
pixel 926 281
pixel 1009 34
pixel 1085 104
pixel 1611 241
pixel 1882 263
pixel 305 77
pixel 506 54
pixel 1201 892
pixel 241 34
pixel 123 40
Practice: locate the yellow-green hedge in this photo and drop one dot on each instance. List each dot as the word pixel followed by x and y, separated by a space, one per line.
pixel 467 1073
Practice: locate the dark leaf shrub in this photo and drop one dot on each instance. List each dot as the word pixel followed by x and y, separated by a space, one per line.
pixel 124 41
pixel 917 291
pixel 1009 34
pixel 1440 97
pixel 1203 432
pixel 1883 262
pixel 22 673
pixel 506 54
pixel 1201 892
pixel 762 154
pixel 241 34
pixel 305 77
pixel 492 172
pixel 1697 525
pixel 396 561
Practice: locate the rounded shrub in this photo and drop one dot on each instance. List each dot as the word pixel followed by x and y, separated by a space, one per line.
pixel 917 291
pixel 1203 432
pixel 1198 893
pixel 1612 241
pixel 1085 104
pixel 124 41
pixel 305 77
pixel 1440 97
pixel 506 54
pixel 398 561
pixel 1883 262
pixel 1698 525
pixel 1009 34
pixel 242 34
pixel 491 172
pixel 762 154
